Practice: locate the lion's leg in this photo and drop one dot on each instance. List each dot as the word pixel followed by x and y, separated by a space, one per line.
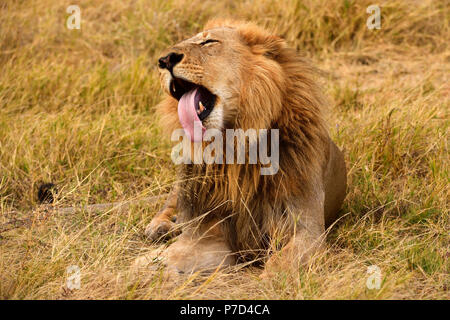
pixel 308 238
pixel 163 224
pixel 335 184
pixel 299 251
pixel 196 249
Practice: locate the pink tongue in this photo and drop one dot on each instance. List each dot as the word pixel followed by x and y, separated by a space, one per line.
pixel 189 118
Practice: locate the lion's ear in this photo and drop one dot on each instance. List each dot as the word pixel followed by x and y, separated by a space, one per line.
pixel 261 42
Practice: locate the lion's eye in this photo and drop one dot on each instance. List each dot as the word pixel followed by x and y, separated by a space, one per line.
pixel 208 41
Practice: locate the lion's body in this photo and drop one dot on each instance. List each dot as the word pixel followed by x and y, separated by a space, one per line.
pixel 267 86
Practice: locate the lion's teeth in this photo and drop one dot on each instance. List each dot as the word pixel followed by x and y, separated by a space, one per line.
pixel 201 107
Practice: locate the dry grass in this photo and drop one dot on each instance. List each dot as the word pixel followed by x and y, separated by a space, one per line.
pixel 77 108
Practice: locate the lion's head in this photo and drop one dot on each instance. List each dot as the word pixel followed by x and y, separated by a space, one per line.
pixel 237 75
pixel 232 75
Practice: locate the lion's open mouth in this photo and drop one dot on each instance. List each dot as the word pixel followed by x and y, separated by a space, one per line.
pixel 195 103
pixel 202 99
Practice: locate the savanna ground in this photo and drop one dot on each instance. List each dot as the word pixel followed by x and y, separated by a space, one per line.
pixel 77 108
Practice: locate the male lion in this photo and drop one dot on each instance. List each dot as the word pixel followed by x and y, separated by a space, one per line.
pixel 238 76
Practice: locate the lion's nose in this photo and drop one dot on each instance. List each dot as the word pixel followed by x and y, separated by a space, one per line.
pixel 169 61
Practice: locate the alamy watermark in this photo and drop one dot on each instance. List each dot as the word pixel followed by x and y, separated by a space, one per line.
pixel 374 20
pixel 74 20
pixel 236 143
pixel 374 279
pixel 74 277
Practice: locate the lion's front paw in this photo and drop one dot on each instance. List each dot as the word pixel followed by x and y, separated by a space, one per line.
pixel 271 268
pixel 161 229
pixel 153 260
pixel 156 262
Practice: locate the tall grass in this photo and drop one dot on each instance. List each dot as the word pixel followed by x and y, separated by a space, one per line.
pixel 77 109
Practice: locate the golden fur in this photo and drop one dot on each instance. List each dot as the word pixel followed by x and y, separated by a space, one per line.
pixel 260 83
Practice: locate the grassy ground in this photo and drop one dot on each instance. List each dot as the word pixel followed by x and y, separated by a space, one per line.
pixel 77 108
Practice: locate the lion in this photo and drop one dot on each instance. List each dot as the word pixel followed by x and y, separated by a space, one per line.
pixel 236 75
